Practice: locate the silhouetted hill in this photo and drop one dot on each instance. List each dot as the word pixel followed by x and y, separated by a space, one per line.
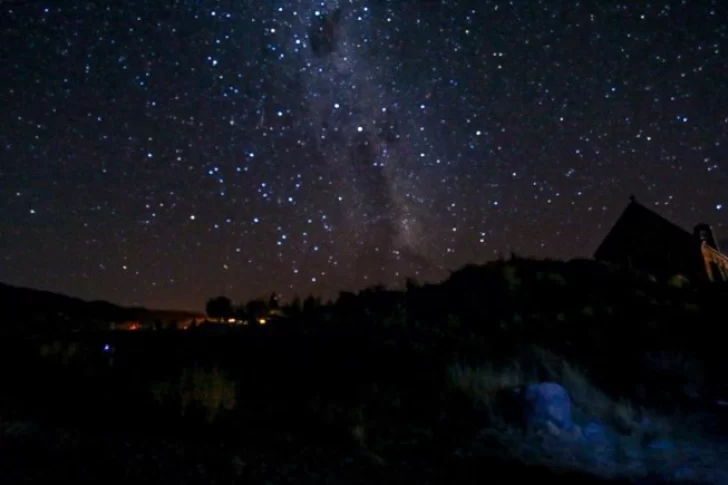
pixel 424 384
pixel 27 310
pixel 24 298
pixel 17 296
pixel 31 310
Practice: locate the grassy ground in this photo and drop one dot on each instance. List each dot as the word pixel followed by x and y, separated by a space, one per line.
pixel 380 387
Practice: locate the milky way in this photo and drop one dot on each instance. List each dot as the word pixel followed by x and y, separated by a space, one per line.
pixel 352 92
pixel 160 153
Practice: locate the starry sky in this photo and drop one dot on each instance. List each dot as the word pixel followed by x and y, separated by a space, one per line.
pixel 161 153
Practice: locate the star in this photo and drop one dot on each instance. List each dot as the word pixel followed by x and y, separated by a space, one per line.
pixel 318 146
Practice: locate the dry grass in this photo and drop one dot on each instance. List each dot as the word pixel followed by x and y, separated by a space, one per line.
pixel 59 352
pixel 207 389
pixel 627 447
pixel 485 384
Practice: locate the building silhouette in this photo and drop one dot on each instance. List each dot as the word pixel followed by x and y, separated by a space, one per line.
pixel 644 240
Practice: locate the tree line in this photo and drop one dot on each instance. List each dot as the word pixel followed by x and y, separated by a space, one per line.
pixel 223 308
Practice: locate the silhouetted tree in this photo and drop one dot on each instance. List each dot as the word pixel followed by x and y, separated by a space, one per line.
pixel 273 301
pixel 293 308
pixel 220 307
pixel 311 303
pixel 241 312
pixel 411 284
pixel 256 309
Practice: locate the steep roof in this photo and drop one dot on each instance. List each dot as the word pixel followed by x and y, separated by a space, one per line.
pixel 638 219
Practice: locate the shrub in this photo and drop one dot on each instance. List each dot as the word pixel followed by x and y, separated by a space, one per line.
pixel 488 384
pixel 627 431
pixel 59 352
pixel 208 390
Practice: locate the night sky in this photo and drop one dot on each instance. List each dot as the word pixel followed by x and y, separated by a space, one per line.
pixel 164 152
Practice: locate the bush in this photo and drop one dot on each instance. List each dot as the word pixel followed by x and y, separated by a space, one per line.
pixel 63 353
pixel 207 390
pixel 490 388
pixel 612 438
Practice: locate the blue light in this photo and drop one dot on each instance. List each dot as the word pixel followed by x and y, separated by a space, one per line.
pixel 107 347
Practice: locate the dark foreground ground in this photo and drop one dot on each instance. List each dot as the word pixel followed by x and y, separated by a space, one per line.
pixel 302 410
pixel 387 387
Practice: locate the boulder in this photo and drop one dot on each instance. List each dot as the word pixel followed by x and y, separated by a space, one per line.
pixel 597 434
pixel 547 406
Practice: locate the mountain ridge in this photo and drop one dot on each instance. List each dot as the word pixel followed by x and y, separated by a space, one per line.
pixel 28 309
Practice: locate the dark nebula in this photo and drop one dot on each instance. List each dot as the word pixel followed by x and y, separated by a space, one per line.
pixel 323 35
pixel 160 156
